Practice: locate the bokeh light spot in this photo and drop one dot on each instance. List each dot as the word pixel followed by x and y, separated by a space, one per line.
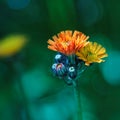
pixel 90 11
pixel 111 68
pixel 17 4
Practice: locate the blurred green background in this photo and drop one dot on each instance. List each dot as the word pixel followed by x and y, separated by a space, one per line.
pixel 28 90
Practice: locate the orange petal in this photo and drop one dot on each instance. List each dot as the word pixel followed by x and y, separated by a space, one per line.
pixel 51 48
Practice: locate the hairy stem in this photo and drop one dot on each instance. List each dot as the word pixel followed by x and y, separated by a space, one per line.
pixel 72 59
pixel 78 100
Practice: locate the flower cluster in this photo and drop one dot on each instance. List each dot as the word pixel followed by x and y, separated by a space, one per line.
pixel 75 54
pixel 65 68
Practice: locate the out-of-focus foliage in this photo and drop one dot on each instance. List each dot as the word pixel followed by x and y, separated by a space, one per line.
pixel 26 80
pixel 12 45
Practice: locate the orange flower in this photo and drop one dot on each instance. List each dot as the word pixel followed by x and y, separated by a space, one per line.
pixel 68 42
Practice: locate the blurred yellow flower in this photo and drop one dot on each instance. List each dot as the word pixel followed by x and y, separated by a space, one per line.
pixel 68 42
pixel 11 45
pixel 92 52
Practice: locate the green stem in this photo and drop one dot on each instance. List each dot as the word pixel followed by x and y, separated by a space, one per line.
pixel 72 59
pixel 78 100
pixel 24 99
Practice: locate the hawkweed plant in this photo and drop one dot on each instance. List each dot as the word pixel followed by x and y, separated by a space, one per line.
pixel 74 55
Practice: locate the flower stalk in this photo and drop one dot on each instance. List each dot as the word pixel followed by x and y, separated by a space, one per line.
pixel 78 100
pixel 72 59
pixel 24 99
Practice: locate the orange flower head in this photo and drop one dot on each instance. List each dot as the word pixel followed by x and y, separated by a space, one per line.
pixel 68 42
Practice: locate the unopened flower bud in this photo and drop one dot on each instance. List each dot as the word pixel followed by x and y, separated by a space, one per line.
pixel 72 72
pixel 59 69
pixel 58 58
